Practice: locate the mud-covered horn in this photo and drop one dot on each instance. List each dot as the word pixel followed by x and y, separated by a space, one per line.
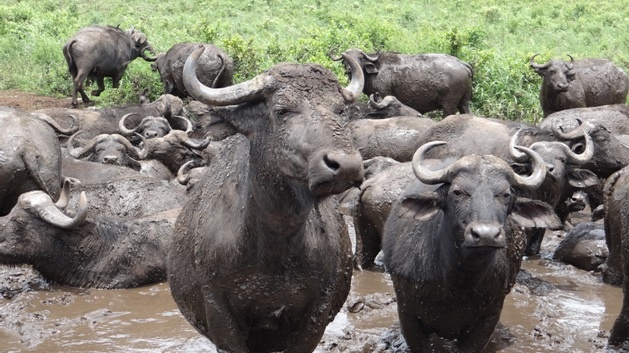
pixel 422 173
pixel 515 154
pixel 50 121
pixel 355 87
pixel 134 152
pixel 572 134
pixel 65 194
pixel 80 152
pixel 183 175
pixel 537 66
pixel 123 128
pixel 195 145
pixel 189 125
pixel 383 103
pixel 243 92
pixel 539 170
pixel 42 204
pixel 585 156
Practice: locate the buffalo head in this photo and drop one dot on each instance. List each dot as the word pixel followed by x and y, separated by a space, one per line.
pixel 108 149
pixel 389 106
pixel 557 74
pixel 141 44
pixel 151 126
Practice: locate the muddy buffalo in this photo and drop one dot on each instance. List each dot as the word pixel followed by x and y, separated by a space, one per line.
pixel 424 82
pixel 96 52
pixel 580 83
pixel 261 260
pixel 453 245
pixel 108 149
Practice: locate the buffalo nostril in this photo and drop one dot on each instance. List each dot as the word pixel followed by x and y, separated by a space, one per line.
pixel 110 159
pixel 485 231
pixel 150 134
pixel 330 163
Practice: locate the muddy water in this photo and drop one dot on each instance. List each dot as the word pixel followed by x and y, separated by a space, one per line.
pixel 557 309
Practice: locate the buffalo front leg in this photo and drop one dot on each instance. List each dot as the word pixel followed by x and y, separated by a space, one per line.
pixel 222 326
pixel 307 334
pixel 478 337
pixel 100 81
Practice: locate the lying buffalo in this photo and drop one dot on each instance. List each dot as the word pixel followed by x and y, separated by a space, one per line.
pixel 580 83
pixel 454 244
pixel 261 260
pixel 215 68
pixel 84 252
pixel 108 149
pixel 96 52
pixel 30 157
pixel 424 82
pixel 583 247
pixel 151 126
pixel 389 107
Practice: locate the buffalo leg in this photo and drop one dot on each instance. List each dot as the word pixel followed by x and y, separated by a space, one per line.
pixel 78 87
pixel 100 81
pixel 222 326
pixel 368 241
pixel 475 340
pixel 535 241
pixel 413 332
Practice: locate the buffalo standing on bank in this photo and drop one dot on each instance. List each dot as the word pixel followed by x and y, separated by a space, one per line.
pixel 424 82
pixel 261 260
pixel 580 83
pixel 96 52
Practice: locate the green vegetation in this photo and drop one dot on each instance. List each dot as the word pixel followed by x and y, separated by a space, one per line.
pixel 496 37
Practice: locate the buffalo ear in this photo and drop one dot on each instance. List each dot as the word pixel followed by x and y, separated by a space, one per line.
pixel 370 68
pixel 420 207
pixel 535 214
pixel 580 178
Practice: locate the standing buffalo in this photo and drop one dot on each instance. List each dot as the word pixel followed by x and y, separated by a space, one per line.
pixel 454 244
pixel 424 82
pixel 30 157
pixel 96 52
pixel 261 260
pixel 580 83
pixel 215 69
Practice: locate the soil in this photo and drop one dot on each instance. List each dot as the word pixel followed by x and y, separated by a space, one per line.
pixel 30 101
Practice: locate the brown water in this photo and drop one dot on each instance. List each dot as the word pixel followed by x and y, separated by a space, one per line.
pixel 574 315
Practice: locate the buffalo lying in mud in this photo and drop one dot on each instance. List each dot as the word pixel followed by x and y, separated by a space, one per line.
pixel 424 82
pixel 389 107
pixel 454 244
pixel 580 83
pixel 215 68
pixel 84 252
pixel 261 260
pixel 30 157
pixel 151 126
pixel 96 52
pixel 108 149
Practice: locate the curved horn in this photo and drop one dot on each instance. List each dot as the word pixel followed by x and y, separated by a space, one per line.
pixel 197 145
pixel 183 177
pixel 355 87
pixel 537 66
pixel 150 49
pixel 220 72
pixel 575 133
pixel 583 158
pixel 422 173
pixel 383 103
pixel 236 94
pixel 84 151
pixel 69 131
pixel 331 56
pixel 372 58
pixel 570 65
pixel 47 211
pixel 515 154
pixel 123 128
pixel 539 170
pixel 65 194
pixel 189 125
pixel 135 152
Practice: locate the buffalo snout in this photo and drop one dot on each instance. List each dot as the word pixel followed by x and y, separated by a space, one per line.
pixel 332 172
pixel 111 159
pixel 481 234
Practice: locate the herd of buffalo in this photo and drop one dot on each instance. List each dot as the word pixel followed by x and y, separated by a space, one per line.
pixel 236 193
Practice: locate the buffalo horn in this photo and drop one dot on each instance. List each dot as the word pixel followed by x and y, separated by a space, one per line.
pixel 47 211
pixel 331 54
pixel 422 173
pixel 355 87
pixel 69 131
pixel 65 194
pixel 236 94
pixel 189 126
pixel 515 154
pixel 123 128
pixel 575 133
pixel 137 153
pixel 197 145
pixel 183 176
pixel 539 170
pixel 585 156
pixel 86 150
pixel 537 66
pixel 372 58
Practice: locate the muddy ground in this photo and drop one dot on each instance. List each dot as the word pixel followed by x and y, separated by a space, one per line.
pixel 554 308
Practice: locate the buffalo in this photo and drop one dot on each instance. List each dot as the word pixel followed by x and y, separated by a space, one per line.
pixel 79 251
pixel 96 52
pixel 108 149
pixel 261 260
pixel 424 82
pixel 151 126
pixel 30 157
pixel 216 68
pixel 580 83
pixel 388 107
pixel 453 245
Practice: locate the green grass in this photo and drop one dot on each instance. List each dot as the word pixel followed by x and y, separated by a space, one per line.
pixel 496 37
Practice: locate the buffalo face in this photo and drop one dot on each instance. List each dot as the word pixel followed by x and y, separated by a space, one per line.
pixel 557 74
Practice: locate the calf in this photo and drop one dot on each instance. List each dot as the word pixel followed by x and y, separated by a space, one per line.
pixel 453 245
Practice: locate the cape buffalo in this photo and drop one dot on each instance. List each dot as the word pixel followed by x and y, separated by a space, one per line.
pixel 108 149
pixel 616 269
pixel 261 260
pixel 453 245
pixel 151 126
pixel 389 107
pixel 580 83
pixel 84 252
pixel 424 82
pixel 30 157
pixel 96 52
pixel 215 68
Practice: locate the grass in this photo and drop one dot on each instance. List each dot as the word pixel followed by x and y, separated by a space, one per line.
pixel 496 37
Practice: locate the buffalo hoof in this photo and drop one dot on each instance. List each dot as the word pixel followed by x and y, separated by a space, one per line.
pixel 95 93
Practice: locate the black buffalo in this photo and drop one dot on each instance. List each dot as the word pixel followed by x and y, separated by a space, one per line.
pixel 30 157
pixel 580 83
pixel 96 52
pixel 424 82
pixel 389 107
pixel 453 245
pixel 84 251
pixel 151 126
pixel 108 149
pixel 215 68
pixel 261 260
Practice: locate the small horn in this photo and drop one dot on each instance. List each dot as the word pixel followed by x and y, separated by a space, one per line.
pixel 539 170
pixel 383 103
pixel 65 194
pixel 189 125
pixel 123 128
pixel 183 176
pixel 422 173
